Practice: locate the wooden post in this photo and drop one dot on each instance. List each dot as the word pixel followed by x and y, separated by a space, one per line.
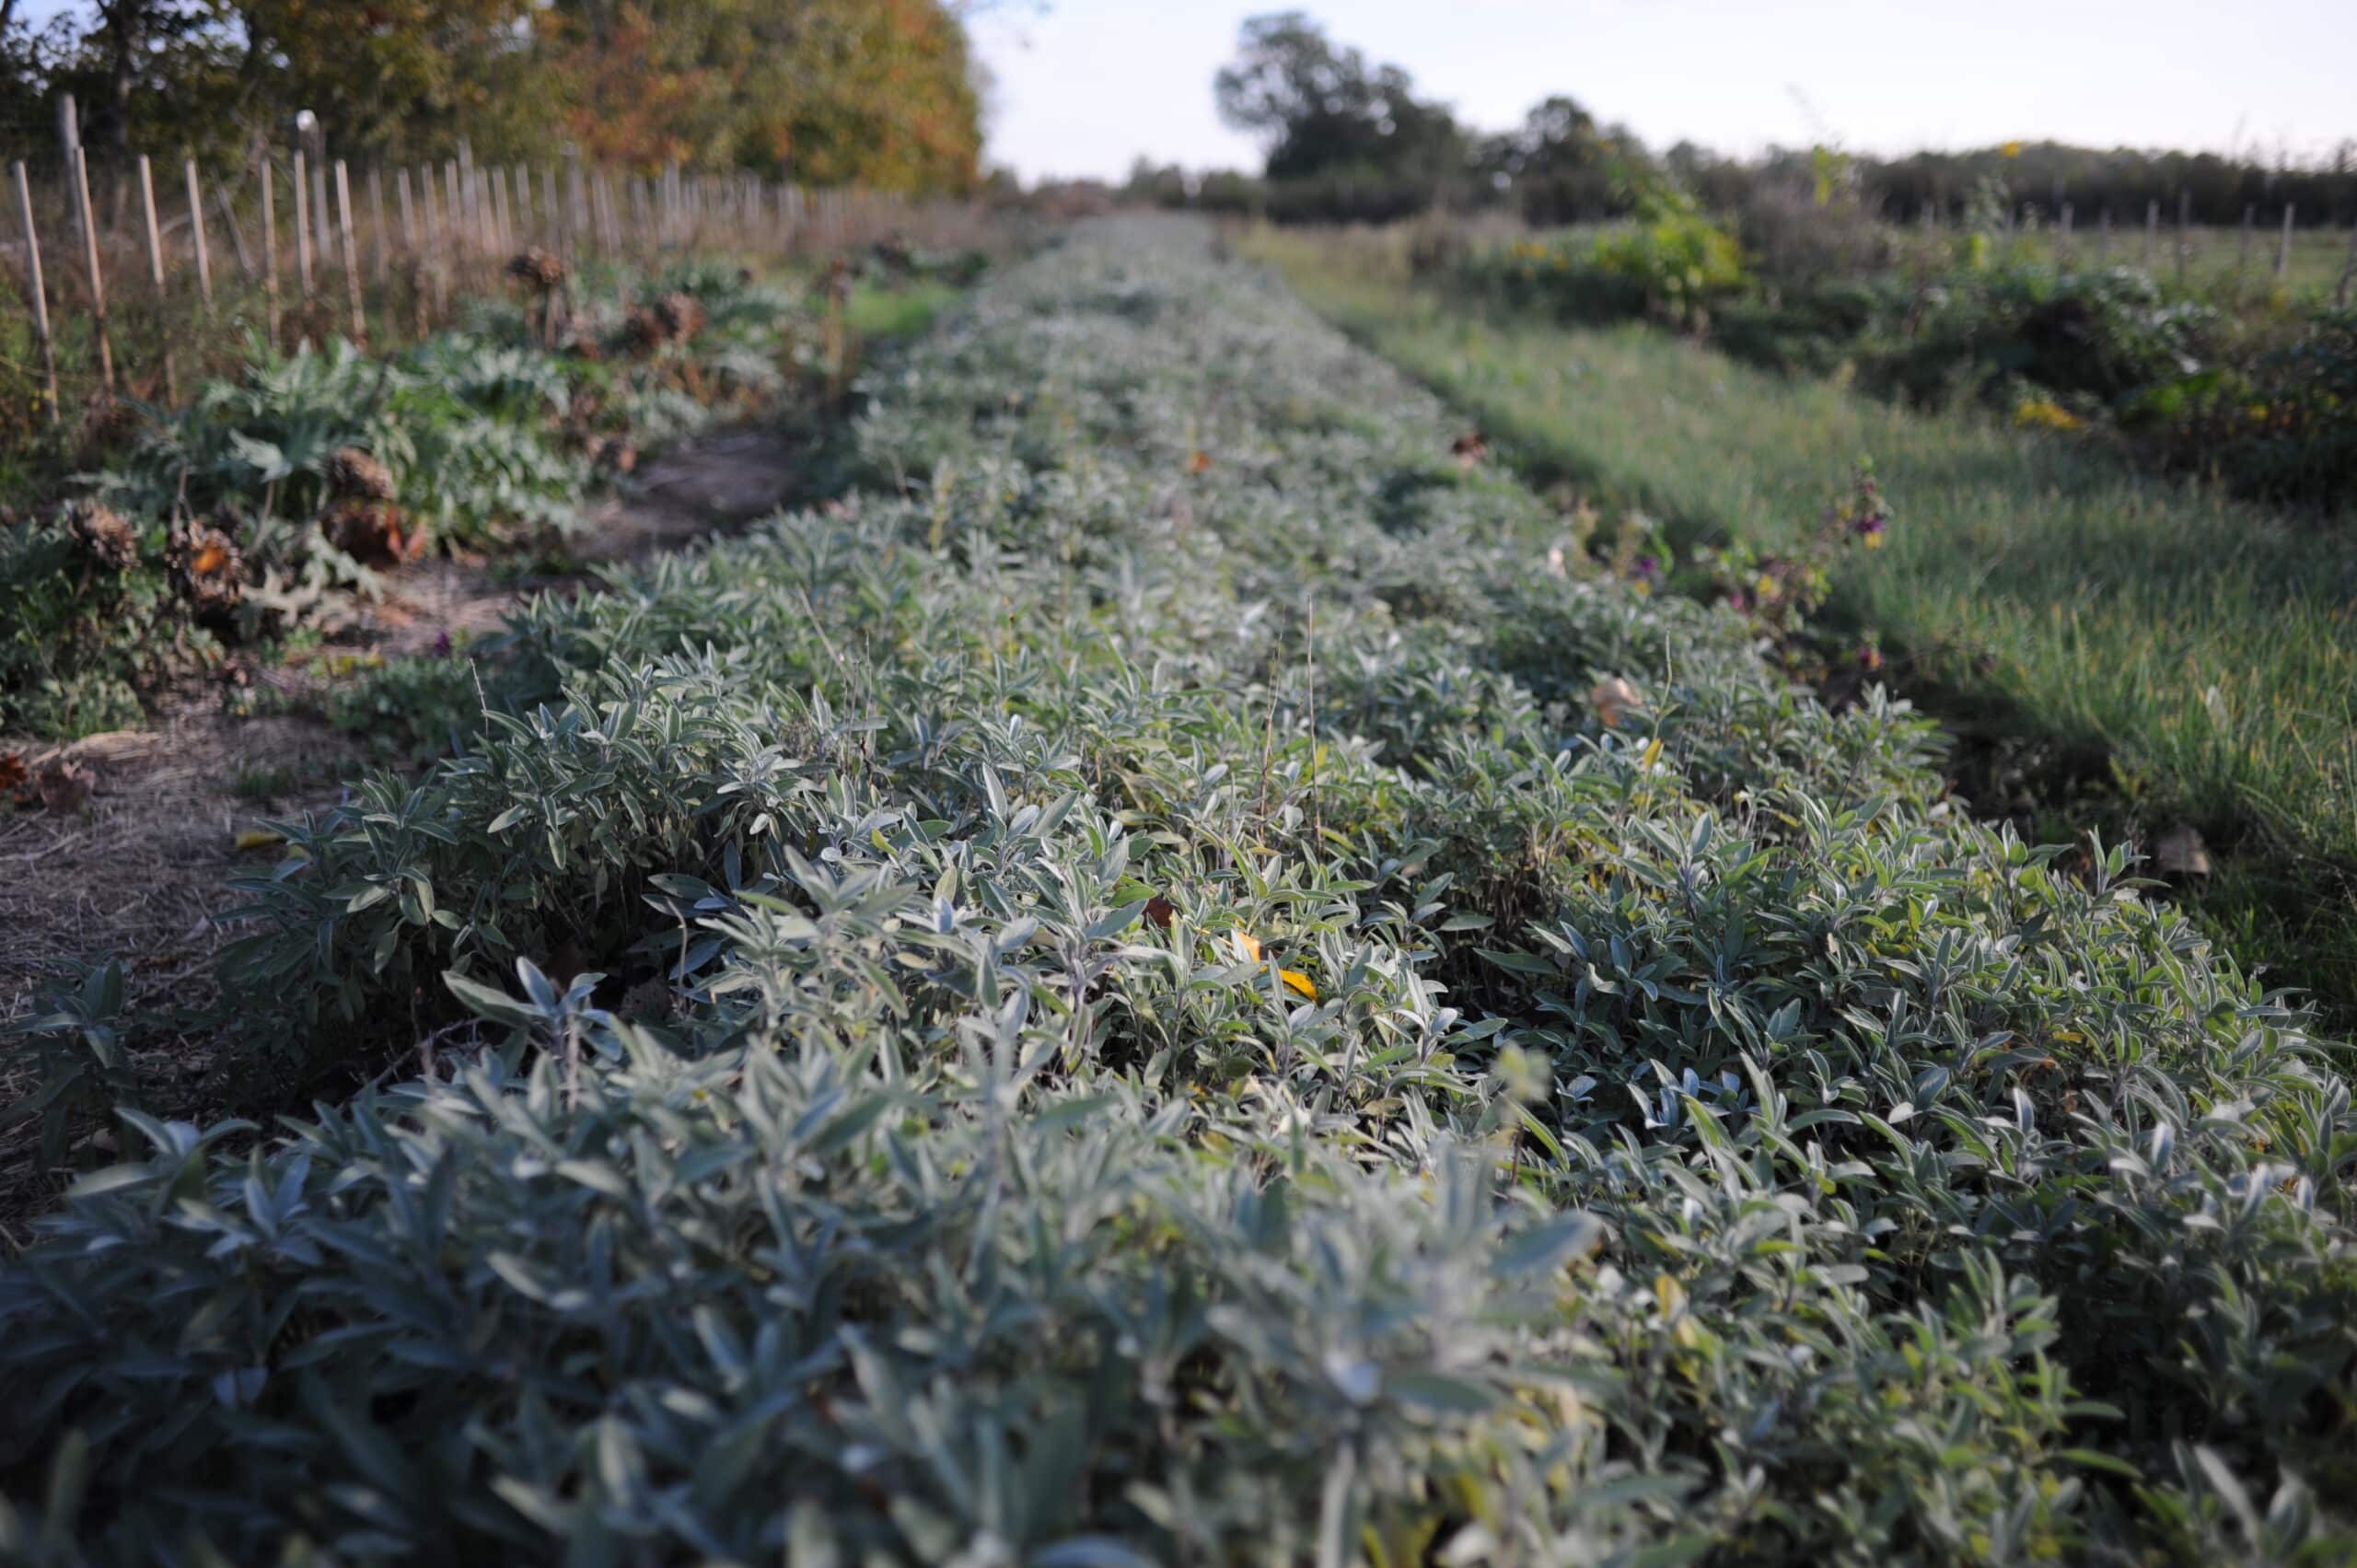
pixel 302 228
pixel 525 232
pixel 196 233
pixel 236 235
pixel 2103 235
pixel 39 293
pixel 454 228
pixel 2283 252
pixel 576 205
pixel 269 248
pixel 408 205
pixel 377 224
pixel 2242 252
pixel 504 216
pixel 468 223
pixel 155 275
pixel 2348 271
pixel 2184 232
pixel 2151 231
pixel 323 220
pixel 436 242
pixel 548 206
pixel 351 257
pixel 2063 240
pixel 88 220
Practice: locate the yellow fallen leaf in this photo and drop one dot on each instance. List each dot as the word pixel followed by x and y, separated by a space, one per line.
pixel 1614 697
pixel 259 837
pixel 1299 981
pixel 1249 946
pixel 1652 753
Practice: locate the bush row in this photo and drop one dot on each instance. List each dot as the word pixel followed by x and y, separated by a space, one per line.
pixel 1168 982
pixel 2269 411
pixel 308 476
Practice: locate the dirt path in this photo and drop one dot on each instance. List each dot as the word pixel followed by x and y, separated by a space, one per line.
pixel 138 869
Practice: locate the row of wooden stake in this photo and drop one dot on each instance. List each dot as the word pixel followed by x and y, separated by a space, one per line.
pixel 466 216
pixel 2064 217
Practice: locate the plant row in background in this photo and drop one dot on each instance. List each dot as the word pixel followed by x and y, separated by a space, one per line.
pixel 2260 394
pixel 1176 979
pixel 278 495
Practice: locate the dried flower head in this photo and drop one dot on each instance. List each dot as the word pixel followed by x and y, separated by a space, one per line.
pixel 536 269
pixel 207 572
pixel 353 472
pixel 101 534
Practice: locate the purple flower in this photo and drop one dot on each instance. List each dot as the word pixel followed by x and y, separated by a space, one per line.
pixel 442 642
pixel 1648 567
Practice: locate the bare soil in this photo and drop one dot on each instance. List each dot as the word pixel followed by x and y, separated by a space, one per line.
pixel 140 871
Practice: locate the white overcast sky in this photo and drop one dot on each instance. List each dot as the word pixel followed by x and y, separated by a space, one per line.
pixel 1083 86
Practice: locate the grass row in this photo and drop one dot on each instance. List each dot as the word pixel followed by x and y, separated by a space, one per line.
pixel 2190 657
pixel 1154 986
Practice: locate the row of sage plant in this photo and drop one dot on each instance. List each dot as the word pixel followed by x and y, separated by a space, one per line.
pixel 1161 983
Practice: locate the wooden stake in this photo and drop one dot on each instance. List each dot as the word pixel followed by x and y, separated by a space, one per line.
pixel 469 223
pixel 525 233
pixel 350 257
pixel 302 228
pixel 155 275
pixel 408 206
pixel 236 235
pixel 2283 252
pixel 38 292
pixel 269 248
pixel 196 233
pixel 2151 231
pixel 377 223
pixel 503 215
pixel 2184 232
pixel 322 221
pixel 90 261
pixel 2242 254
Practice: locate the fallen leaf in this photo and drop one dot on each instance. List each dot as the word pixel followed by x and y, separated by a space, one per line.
pixel 260 838
pixel 1199 461
pixel 1299 981
pixel 12 770
pixel 1249 946
pixel 2180 851
pixel 1160 911
pixel 1615 698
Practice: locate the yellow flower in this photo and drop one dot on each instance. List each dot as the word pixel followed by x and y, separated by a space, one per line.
pixel 2044 413
pixel 2011 149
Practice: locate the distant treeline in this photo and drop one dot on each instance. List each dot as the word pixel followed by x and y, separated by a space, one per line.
pixel 1350 142
pixel 878 93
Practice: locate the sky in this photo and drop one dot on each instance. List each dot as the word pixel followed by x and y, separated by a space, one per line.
pixel 1085 87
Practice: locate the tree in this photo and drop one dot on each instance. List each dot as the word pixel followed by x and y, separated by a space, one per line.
pixel 881 92
pixel 1324 111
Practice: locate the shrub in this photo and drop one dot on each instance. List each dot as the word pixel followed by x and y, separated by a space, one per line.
pixel 1159 988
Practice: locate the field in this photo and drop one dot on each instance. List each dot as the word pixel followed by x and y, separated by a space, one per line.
pixel 1170 976
pixel 2137 652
